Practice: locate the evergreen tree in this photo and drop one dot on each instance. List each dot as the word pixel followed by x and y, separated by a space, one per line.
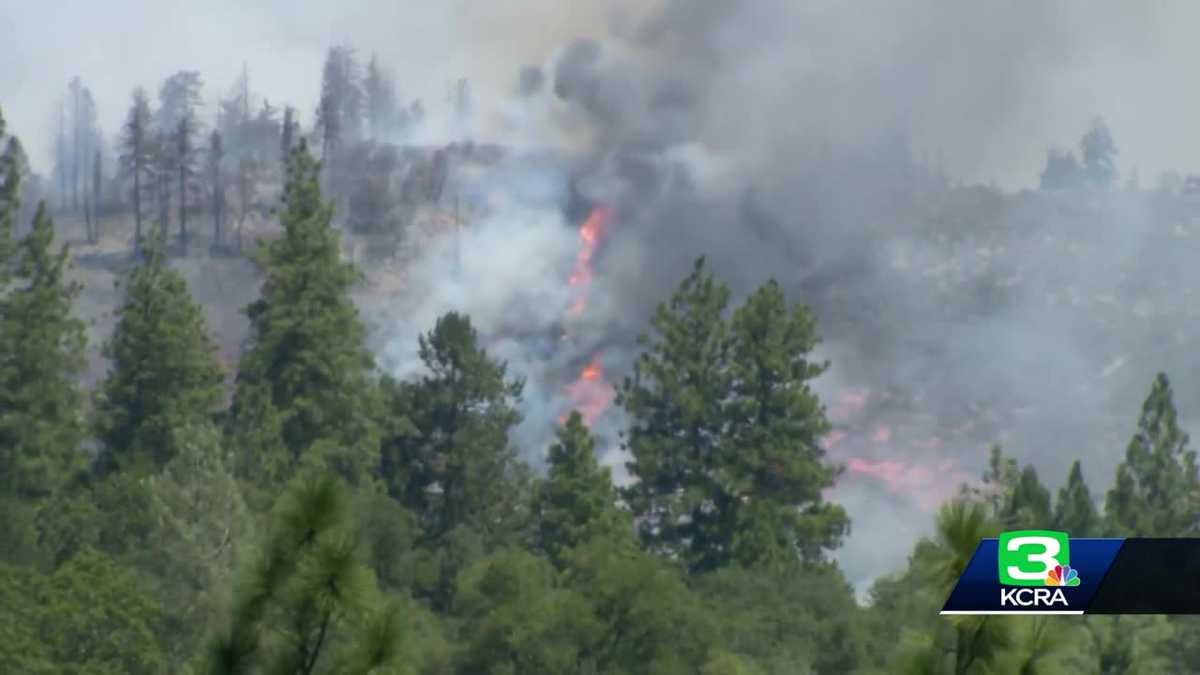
pixel 1156 489
pixel 725 432
pixel 304 385
pixel 517 618
pixel 216 181
pixel 12 171
pixel 91 615
pixel 676 402
pixel 41 354
pixel 1015 497
pixel 163 372
pixel 136 154
pixel 577 501
pixel 1075 511
pixel 773 471
pixel 379 92
pixel 1098 150
pixel 448 457
pixel 308 604
pixel 200 527
pixel 184 160
pixel 456 466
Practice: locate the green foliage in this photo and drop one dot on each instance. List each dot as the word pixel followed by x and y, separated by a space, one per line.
pixel 675 399
pixel 1075 511
pixel 200 525
pixel 304 387
pixel 13 166
pixel 725 431
pixel 308 603
pixel 650 622
pixel 89 616
pixel 577 502
pixel 800 620
pixel 1156 488
pixel 519 620
pixel 163 372
pixel 449 459
pixel 41 354
pixel 1015 498
pixel 774 465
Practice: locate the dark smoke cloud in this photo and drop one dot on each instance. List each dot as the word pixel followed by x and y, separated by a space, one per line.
pixel 795 142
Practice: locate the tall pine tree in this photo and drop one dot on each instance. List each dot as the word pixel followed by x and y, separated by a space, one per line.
pixel 163 372
pixel 773 469
pixel 449 459
pixel 12 171
pixel 676 402
pixel 41 355
pixel 1075 511
pixel 725 431
pixel 1156 488
pixel 455 466
pixel 577 501
pixel 304 388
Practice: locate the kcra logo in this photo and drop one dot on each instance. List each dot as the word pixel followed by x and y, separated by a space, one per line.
pixel 1038 564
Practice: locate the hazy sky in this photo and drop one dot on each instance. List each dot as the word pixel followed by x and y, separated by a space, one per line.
pixel 1066 61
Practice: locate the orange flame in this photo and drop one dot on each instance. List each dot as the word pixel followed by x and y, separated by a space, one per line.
pixel 589 234
pixel 591 395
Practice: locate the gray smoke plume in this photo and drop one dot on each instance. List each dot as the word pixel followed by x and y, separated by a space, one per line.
pixel 798 143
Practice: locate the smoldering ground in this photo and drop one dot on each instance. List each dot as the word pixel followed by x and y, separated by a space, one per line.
pixel 828 144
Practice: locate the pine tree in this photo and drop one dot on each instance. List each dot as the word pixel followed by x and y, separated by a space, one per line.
pixel 773 470
pixel 1075 511
pixel 676 402
pixel 304 385
pixel 307 603
pixel 1030 502
pixel 163 371
pixel 216 181
pixel 725 431
pixel 41 354
pixel 201 526
pixel 448 459
pixel 1098 150
pixel 379 92
pixel 137 154
pixel 577 502
pixel 12 171
pixel 1015 497
pixel 183 140
pixel 91 615
pixel 1156 488
pixel 455 466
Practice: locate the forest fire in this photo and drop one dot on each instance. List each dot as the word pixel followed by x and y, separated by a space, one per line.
pixel 589 234
pixel 877 449
pixel 590 393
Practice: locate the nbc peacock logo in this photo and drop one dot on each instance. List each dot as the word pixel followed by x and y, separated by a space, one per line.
pixel 1062 575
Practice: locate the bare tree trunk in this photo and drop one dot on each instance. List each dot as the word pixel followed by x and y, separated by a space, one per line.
pixel 75 153
pixel 137 204
pixel 183 233
pixel 62 156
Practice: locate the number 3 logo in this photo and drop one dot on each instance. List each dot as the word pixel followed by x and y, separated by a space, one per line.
pixel 1026 557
